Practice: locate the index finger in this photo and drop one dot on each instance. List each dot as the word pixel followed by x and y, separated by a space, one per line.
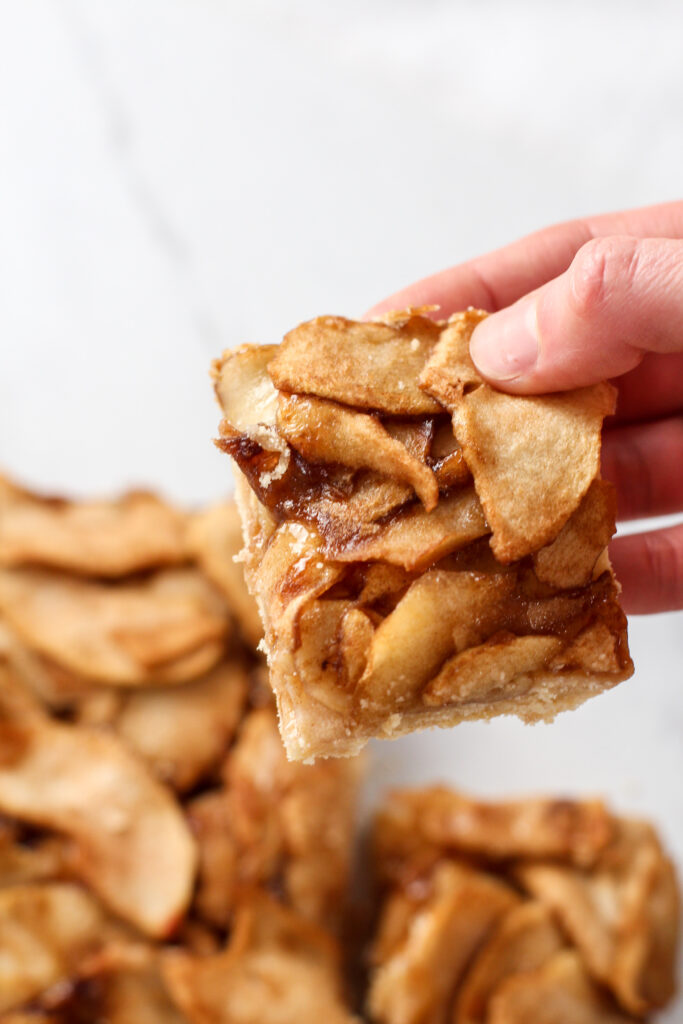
pixel 500 277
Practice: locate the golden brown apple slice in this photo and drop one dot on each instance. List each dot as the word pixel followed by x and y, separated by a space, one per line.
pixel 532 459
pixel 276 968
pixel 560 992
pixel 167 628
pixel 183 732
pixel 324 431
pixel 523 940
pixel 416 981
pixel 369 365
pixel 93 538
pixel 623 916
pixel 131 843
pixel 45 932
pixel 574 831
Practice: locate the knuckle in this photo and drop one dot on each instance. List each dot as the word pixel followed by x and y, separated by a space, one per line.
pixel 602 268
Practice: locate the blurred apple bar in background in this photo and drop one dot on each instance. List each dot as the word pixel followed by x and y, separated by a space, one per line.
pixel 518 912
pixel 160 859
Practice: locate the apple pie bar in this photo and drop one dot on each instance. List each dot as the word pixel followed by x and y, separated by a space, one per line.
pixel 160 859
pixel 519 912
pixel 423 549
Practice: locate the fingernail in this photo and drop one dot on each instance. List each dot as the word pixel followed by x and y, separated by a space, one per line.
pixel 505 345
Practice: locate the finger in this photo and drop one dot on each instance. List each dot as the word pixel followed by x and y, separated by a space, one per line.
pixel 653 390
pixel 641 462
pixel 649 567
pixel 620 297
pixel 503 276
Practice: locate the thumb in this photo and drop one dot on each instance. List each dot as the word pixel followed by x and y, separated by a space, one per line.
pixel 620 298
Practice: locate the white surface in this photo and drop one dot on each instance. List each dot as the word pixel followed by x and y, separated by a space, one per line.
pixel 179 176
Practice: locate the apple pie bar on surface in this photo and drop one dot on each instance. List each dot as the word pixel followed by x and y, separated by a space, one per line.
pixel 539 911
pixel 160 859
pixel 423 549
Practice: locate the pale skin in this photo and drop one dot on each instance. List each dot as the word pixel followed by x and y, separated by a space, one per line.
pixel 576 303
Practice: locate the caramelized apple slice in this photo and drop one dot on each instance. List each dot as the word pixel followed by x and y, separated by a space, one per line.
pixel 369 365
pixel 131 842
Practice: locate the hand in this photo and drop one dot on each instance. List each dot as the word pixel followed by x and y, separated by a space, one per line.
pixel 575 304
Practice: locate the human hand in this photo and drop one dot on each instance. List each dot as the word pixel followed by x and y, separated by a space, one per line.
pixel 575 304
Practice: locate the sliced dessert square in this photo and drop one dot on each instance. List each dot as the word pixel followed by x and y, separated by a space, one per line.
pixel 510 912
pixel 423 549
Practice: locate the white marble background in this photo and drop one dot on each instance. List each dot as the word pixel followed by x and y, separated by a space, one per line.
pixel 179 176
